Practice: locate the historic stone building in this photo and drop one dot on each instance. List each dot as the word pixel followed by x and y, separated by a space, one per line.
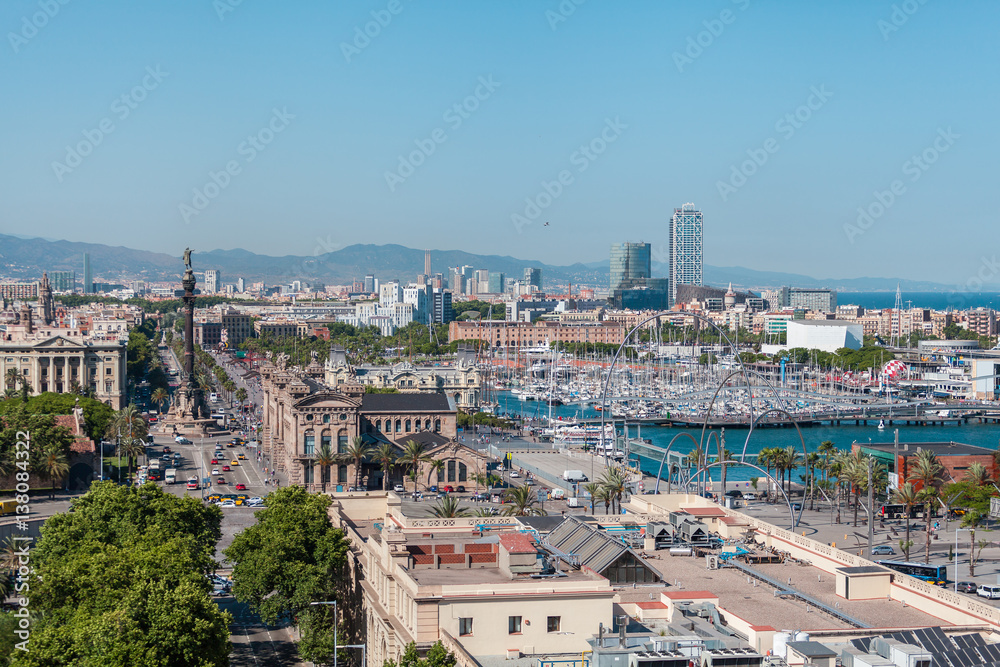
pixel 302 414
pixel 462 382
pixel 59 363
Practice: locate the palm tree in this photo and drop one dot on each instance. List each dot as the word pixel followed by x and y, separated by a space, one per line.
pixel 927 471
pixel 614 484
pixel 9 393
pixel 356 452
pixel 765 459
pixel 160 396
pixel 521 502
pixel 385 456
pixel 827 450
pixel 12 379
pixel 449 508
pixel 436 466
pixel 604 496
pixel 131 447
pixel 241 395
pixel 325 457
pixel 977 475
pixel 791 460
pixel 128 426
pixel 812 461
pixel 592 488
pixel 906 496
pixel 414 453
pixel 55 466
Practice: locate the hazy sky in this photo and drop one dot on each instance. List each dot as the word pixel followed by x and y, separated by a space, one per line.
pixel 437 128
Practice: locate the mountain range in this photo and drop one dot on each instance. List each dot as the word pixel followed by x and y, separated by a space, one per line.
pixel 23 258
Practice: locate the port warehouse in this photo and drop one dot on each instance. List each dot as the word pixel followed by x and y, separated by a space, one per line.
pixel 956 457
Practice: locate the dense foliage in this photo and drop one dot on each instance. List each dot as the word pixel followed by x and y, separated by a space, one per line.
pixel 96 414
pixel 120 580
pixel 291 557
pixel 437 656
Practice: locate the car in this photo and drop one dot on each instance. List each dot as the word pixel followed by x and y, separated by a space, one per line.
pixel 735 493
pixel 215 471
pixel 529 482
pixel 461 489
pixel 177 455
pixel 242 457
pixel 399 488
pixel 241 487
pixel 181 440
pixel 255 500
pixel 153 420
pixel 883 550
pixel 357 489
pixel 750 496
pixel 226 468
pixel 228 502
pixel 167 450
pixel 796 507
pixel 966 587
pixel 449 489
pixel 213 497
pixel 234 463
pixel 989 592
pixel 215 462
pixel 514 474
pixel 220 480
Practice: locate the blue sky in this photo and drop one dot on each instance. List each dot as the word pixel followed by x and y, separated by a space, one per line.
pixel 667 122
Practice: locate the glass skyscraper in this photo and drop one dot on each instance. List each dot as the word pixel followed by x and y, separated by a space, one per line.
pixel 686 254
pixel 632 284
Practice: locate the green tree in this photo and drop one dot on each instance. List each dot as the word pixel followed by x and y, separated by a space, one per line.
pixel 437 656
pixel 449 507
pixel 54 466
pixel 356 452
pixel 414 453
pixel 521 502
pixel 927 471
pixel 291 557
pixel 120 581
pixel 325 457
pixel 385 456
pixel 907 496
pixel 160 396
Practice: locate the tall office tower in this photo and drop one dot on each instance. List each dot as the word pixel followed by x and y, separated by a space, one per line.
pixel 533 276
pixel 427 262
pixel 213 280
pixel 456 281
pixel 442 308
pixel 241 285
pixel 630 265
pixel 63 281
pixel 497 282
pixel 88 277
pixel 369 284
pixel 687 257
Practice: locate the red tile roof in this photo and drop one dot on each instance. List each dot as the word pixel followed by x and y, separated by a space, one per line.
pixel 518 543
pixel 651 605
pixel 704 511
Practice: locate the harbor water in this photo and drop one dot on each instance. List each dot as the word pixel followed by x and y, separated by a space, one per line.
pixel 981 435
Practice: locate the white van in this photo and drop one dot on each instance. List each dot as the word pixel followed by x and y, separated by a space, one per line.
pixel 213 397
pixel 991 592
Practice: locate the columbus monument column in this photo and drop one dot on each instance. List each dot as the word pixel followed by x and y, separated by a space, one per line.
pixel 189 414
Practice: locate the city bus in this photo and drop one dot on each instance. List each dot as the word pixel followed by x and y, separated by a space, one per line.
pixel 933 574
pixel 895 511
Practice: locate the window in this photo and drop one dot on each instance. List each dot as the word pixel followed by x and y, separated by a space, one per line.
pixel 451 470
pixel 343 416
pixel 399 426
pixel 309 444
pixel 324 439
pixel 464 627
pixel 407 425
pixel 378 424
pixel 342 443
pixel 107 371
pixel 553 623
pixel 463 472
pixel 513 625
pixel 342 474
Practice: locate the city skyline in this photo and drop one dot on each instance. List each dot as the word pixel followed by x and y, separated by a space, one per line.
pixel 211 138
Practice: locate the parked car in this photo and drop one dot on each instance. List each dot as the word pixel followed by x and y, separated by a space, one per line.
pixel 399 488
pixel 256 500
pixel 966 587
pixel 228 502
pixel 449 489
pixel 750 496
pixel 735 493
pixel 883 550
pixel 990 592
pixel 461 489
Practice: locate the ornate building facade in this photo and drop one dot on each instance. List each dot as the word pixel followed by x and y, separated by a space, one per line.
pixel 461 382
pixel 302 414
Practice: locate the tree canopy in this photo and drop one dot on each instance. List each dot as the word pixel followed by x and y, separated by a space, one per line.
pixel 120 580
pixel 291 557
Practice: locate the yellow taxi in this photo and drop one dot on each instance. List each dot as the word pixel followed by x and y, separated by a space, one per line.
pixel 242 457
pixel 234 463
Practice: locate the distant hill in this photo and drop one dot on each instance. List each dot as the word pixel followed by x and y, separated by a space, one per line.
pixel 26 258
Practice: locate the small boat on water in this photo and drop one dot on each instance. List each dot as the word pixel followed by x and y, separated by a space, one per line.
pixel 881 424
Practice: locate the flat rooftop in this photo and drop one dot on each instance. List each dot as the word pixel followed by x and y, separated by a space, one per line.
pixel 491 576
pixel 909 449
